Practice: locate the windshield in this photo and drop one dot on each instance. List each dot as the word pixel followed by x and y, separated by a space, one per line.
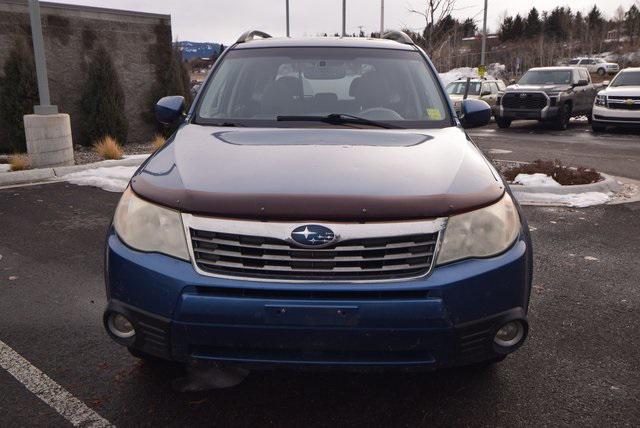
pixel 546 77
pixel 627 78
pixel 253 87
pixel 457 88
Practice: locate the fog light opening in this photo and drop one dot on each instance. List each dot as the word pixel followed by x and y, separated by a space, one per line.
pixel 510 334
pixel 120 326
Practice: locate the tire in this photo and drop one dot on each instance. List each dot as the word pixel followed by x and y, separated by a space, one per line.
pixel 598 127
pixel 503 123
pixel 601 72
pixel 564 115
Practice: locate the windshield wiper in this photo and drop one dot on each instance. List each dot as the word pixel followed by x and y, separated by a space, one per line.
pixel 337 119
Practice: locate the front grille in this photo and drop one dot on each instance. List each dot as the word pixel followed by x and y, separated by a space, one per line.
pixel 616 97
pixel 624 106
pixel 524 100
pixel 356 259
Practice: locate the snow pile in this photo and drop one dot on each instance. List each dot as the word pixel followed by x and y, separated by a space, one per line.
pixel 537 179
pixel 495 70
pixel 111 179
pixel 5 167
pixel 577 200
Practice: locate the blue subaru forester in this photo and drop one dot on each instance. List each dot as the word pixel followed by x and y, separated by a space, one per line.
pixel 319 205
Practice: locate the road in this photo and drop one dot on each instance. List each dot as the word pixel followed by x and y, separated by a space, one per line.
pixel 579 366
pixel 616 151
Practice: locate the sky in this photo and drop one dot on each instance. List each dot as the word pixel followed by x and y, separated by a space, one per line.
pixel 224 20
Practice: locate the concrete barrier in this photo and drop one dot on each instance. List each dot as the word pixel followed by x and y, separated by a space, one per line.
pixel 49 141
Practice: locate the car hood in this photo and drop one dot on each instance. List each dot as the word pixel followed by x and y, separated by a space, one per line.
pixel 539 88
pixel 319 174
pixel 458 98
pixel 622 91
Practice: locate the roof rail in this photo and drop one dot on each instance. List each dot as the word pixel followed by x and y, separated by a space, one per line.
pixel 398 36
pixel 252 34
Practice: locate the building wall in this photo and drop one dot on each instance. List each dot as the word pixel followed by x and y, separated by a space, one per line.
pixel 71 35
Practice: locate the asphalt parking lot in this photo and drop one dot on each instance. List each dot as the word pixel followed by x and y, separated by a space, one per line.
pixel 579 366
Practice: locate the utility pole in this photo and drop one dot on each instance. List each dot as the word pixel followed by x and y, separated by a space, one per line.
pixel 45 107
pixel 483 54
pixel 381 17
pixel 288 29
pixel 344 18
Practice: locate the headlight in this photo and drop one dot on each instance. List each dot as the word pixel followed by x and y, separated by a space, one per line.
pixel 601 100
pixel 150 227
pixel 481 233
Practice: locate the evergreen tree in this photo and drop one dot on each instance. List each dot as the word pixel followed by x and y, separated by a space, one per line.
pixel 103 101
pixel 632 23
pixel 518 27
pixel 18 94
pixel 506 29
pixel 533 24
pixel 469 28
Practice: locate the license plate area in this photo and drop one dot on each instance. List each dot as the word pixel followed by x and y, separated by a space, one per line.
pixel 305 315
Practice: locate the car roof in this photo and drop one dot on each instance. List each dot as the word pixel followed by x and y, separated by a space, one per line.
pixel 636 69
pixel 565 68
pixel 322 42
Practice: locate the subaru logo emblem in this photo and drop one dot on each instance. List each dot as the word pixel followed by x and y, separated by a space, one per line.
pixel 313 236
pixel 523 95
pixel 629 102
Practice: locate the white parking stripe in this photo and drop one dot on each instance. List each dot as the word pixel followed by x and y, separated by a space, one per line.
pixel 68 406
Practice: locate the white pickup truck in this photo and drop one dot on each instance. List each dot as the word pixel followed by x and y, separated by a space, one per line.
pixel 619 103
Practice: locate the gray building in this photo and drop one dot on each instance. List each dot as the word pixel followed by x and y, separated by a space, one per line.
pixel 137 42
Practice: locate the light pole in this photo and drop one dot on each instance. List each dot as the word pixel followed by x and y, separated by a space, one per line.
pixel 344 18
pixel 288 32
pixel 381 17
pixel 45 107
pixel 483 54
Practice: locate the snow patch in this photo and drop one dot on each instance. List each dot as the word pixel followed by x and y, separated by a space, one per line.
pixel 577 200
pixel 111 179
pixel 537 179
pixel 499 151
pixel 495 70
pixel 5 167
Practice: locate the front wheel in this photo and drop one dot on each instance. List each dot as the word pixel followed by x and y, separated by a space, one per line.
pixel 564 115
pixel 503 123
pixel 601 72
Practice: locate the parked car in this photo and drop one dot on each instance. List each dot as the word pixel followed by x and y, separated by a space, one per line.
pixel 619 103
pixel 486 89
pixel 319 205
pixel 596 65
pixel 551 94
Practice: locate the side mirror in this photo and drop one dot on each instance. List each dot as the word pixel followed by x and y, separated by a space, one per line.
pixel 582 82
pixel 485 93
pixel 169 109
pixel 474 113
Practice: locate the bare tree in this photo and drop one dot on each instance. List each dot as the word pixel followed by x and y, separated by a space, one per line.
pixel 434 14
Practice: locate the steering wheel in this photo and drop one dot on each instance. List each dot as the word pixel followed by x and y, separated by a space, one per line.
pixel 380 113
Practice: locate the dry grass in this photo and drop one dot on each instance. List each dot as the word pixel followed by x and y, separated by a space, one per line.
pixel 158 141
pixel 19 162
pixel 555 169
pixel 108 148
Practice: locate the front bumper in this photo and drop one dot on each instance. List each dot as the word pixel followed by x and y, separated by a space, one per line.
pixel 619 117
pixel 448 318
pixel 547 113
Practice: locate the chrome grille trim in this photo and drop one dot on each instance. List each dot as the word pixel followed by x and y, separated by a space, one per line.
pixel 259 251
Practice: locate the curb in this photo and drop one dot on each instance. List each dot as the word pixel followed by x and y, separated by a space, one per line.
pixel 45 174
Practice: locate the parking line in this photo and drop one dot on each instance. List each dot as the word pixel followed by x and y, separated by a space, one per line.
pixel 61 400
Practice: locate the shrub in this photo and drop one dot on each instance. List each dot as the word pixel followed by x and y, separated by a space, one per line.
pixel 19 162
pixel 108 148
pixel 172 76
pixel 158 141
pixel 103 100
pixel 555 169
pixel 18 94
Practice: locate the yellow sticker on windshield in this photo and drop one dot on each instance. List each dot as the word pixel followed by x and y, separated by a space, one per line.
pixel 434 114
